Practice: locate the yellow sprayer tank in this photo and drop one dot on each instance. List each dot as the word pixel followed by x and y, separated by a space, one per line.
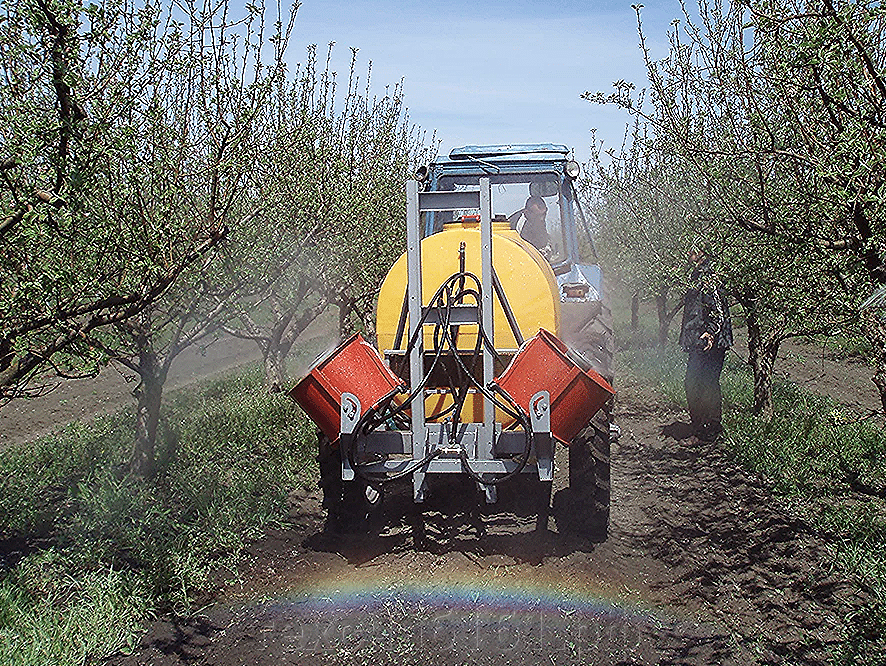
pixel 526 278
pixel 528 283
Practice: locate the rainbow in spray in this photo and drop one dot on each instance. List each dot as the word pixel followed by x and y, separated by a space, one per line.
pixel 506 589
pixel 457 622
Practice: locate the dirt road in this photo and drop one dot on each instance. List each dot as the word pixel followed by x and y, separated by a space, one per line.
pixel 701 567
pixel 85 399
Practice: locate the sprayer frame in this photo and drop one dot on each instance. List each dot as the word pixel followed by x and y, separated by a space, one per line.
pixel 490 449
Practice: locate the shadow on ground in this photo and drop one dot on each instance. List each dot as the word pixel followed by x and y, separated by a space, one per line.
pixel 738 550
pixel 678 430
pixel 453 519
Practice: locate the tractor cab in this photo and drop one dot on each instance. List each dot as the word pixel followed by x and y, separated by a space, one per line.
pixel 532 189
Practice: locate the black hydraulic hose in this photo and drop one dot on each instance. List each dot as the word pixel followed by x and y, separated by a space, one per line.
pixel 412 342
pixel 370 420
pixel 444 288
pixel 367 423
pixel 516 413
pixel 382 477
pixel 463 385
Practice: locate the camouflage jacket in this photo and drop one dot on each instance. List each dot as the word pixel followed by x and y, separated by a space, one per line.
pixel 705 311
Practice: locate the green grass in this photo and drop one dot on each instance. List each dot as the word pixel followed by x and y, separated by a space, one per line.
pixel 826 464
pixel 101 551
pixel 845 346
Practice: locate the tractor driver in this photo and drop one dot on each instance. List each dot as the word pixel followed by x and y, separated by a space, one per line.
pixel 534 229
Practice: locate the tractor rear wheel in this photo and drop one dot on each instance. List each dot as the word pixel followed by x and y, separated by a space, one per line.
pixel 349 505
pixel 583 507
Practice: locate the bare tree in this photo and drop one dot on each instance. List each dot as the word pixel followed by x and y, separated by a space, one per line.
pixel 194 135
pixel 73 98
pixel 776 111
pixel 335 225
pixel 647 217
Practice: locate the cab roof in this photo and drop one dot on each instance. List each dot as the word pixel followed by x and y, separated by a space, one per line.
pixel 544 150
pixel 503 159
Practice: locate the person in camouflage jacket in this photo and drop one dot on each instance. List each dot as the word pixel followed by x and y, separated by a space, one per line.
pixel 706 334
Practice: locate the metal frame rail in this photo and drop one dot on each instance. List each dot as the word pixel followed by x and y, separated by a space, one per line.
pixel 489 449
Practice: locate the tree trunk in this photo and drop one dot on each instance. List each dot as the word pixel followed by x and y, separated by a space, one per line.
pixel 762 353
pixel 664 317
pixel 345 305
pixel 368 320
pixel 149 394
pixel 277 338
pixel 635 311
pixel 275 368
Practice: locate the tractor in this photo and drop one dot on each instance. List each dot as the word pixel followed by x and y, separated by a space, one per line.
pixel 494 347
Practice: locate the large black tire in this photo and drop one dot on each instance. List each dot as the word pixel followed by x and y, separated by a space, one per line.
pixel 583 507
pixel 346 502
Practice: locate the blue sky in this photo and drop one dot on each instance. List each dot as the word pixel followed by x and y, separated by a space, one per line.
pixel 493 71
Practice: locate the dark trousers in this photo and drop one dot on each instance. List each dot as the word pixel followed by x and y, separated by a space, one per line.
pixel 703 394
